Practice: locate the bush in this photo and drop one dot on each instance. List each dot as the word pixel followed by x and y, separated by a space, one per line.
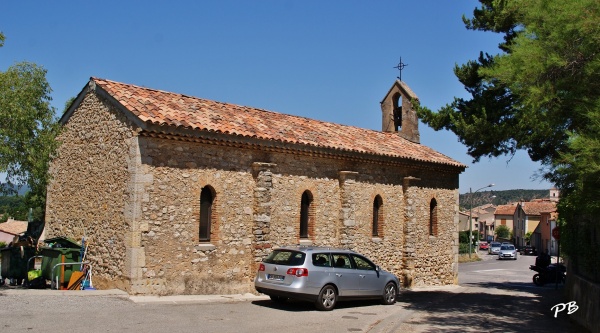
pixel 463 237
pixel 502 231
pixel 464 248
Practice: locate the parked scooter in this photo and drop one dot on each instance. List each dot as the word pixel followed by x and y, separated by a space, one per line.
pixel 546 272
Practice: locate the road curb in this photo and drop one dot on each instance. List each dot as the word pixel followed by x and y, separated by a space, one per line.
pixel 52 292
pixel 181 299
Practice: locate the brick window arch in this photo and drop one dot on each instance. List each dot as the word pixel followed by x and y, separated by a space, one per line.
pixel 433 218
pixel 207 198
pixel 377 217
pixel 306 214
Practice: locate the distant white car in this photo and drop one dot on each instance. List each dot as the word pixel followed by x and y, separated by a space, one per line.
pixel 494 248
pixel 507 252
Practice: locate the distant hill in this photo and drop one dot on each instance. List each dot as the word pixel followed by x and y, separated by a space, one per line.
pixel 502 197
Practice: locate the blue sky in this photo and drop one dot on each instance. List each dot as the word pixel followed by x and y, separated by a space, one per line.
pixel 327 60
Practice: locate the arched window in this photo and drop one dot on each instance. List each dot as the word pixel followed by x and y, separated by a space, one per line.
pixel 305 214
pixel 206 201
pixel 433 218
pixel 377 216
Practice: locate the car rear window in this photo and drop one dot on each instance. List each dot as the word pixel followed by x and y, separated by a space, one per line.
pixel 495 244
pixel 285 257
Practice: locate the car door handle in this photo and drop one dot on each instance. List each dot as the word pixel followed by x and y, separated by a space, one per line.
pixel 338 274
pixel 362 276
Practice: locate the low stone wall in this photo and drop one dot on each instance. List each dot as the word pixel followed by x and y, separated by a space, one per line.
pixel 586 296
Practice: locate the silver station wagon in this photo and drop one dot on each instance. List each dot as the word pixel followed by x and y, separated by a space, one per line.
pixel 323 276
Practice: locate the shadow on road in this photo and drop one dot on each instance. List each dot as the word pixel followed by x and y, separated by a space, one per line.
pixel 490 307
pixel 301 306
pixel 474 307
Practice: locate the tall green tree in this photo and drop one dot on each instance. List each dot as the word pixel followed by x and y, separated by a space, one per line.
pixel 28 129
pixel 540 93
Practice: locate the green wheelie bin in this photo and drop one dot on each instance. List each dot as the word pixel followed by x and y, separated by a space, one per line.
pixel 60 250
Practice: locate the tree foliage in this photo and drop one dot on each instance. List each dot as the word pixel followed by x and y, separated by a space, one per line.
pixel 541 93
pixel 28 129
pixel 502 231
pixel 463 237
pixel 13 206
pixel 538 91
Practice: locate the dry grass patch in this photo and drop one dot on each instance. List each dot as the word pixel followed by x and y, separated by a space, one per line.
pixel 465 258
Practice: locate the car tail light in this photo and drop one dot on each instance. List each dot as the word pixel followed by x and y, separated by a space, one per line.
pixel 299 272
pixel 261 268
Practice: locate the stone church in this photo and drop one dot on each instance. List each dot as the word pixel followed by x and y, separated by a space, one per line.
pixel 182 195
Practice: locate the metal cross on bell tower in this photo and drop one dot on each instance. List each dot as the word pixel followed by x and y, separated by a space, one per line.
pixel 400 67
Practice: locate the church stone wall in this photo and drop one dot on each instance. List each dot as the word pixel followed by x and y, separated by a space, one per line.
pixel 141 209
pixel 88 192
pixel 342 207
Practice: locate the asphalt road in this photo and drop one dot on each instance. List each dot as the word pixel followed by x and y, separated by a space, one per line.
pixel 493 296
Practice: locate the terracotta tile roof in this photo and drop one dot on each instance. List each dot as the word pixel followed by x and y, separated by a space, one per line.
pixel 505 210
pixel 537 207
pixel 13 227
pixel 165 108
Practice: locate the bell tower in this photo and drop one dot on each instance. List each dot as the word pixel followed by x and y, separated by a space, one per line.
pixel 398 115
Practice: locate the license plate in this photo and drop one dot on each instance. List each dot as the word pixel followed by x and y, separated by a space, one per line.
pixel 275 277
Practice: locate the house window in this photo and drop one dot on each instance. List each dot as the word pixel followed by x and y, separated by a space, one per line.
pixel 433 218
pixel 377 216
pixel 305 214
pixel 206 202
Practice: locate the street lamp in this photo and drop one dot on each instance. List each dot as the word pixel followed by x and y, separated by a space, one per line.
pixel 485 227
pixel 471 217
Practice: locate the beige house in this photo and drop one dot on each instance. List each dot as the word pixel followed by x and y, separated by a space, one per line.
pixel 527 219
pixel 183 195
pixel 463 221
pixel 482 223
pixel 548 221
pixel 504 215
pixel 485 221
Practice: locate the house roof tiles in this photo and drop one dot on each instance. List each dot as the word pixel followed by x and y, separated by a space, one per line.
pixel 538 207
pixel 13 227
pixel 157 107
pixel 505 210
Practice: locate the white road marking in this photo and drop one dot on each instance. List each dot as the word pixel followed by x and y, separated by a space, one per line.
pixel 490 270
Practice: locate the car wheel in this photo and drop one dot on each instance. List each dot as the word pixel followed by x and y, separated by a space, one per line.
pixel 562 278
pixel 278 299
pixel 327 298
pixel 538 280
pixel 389 294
